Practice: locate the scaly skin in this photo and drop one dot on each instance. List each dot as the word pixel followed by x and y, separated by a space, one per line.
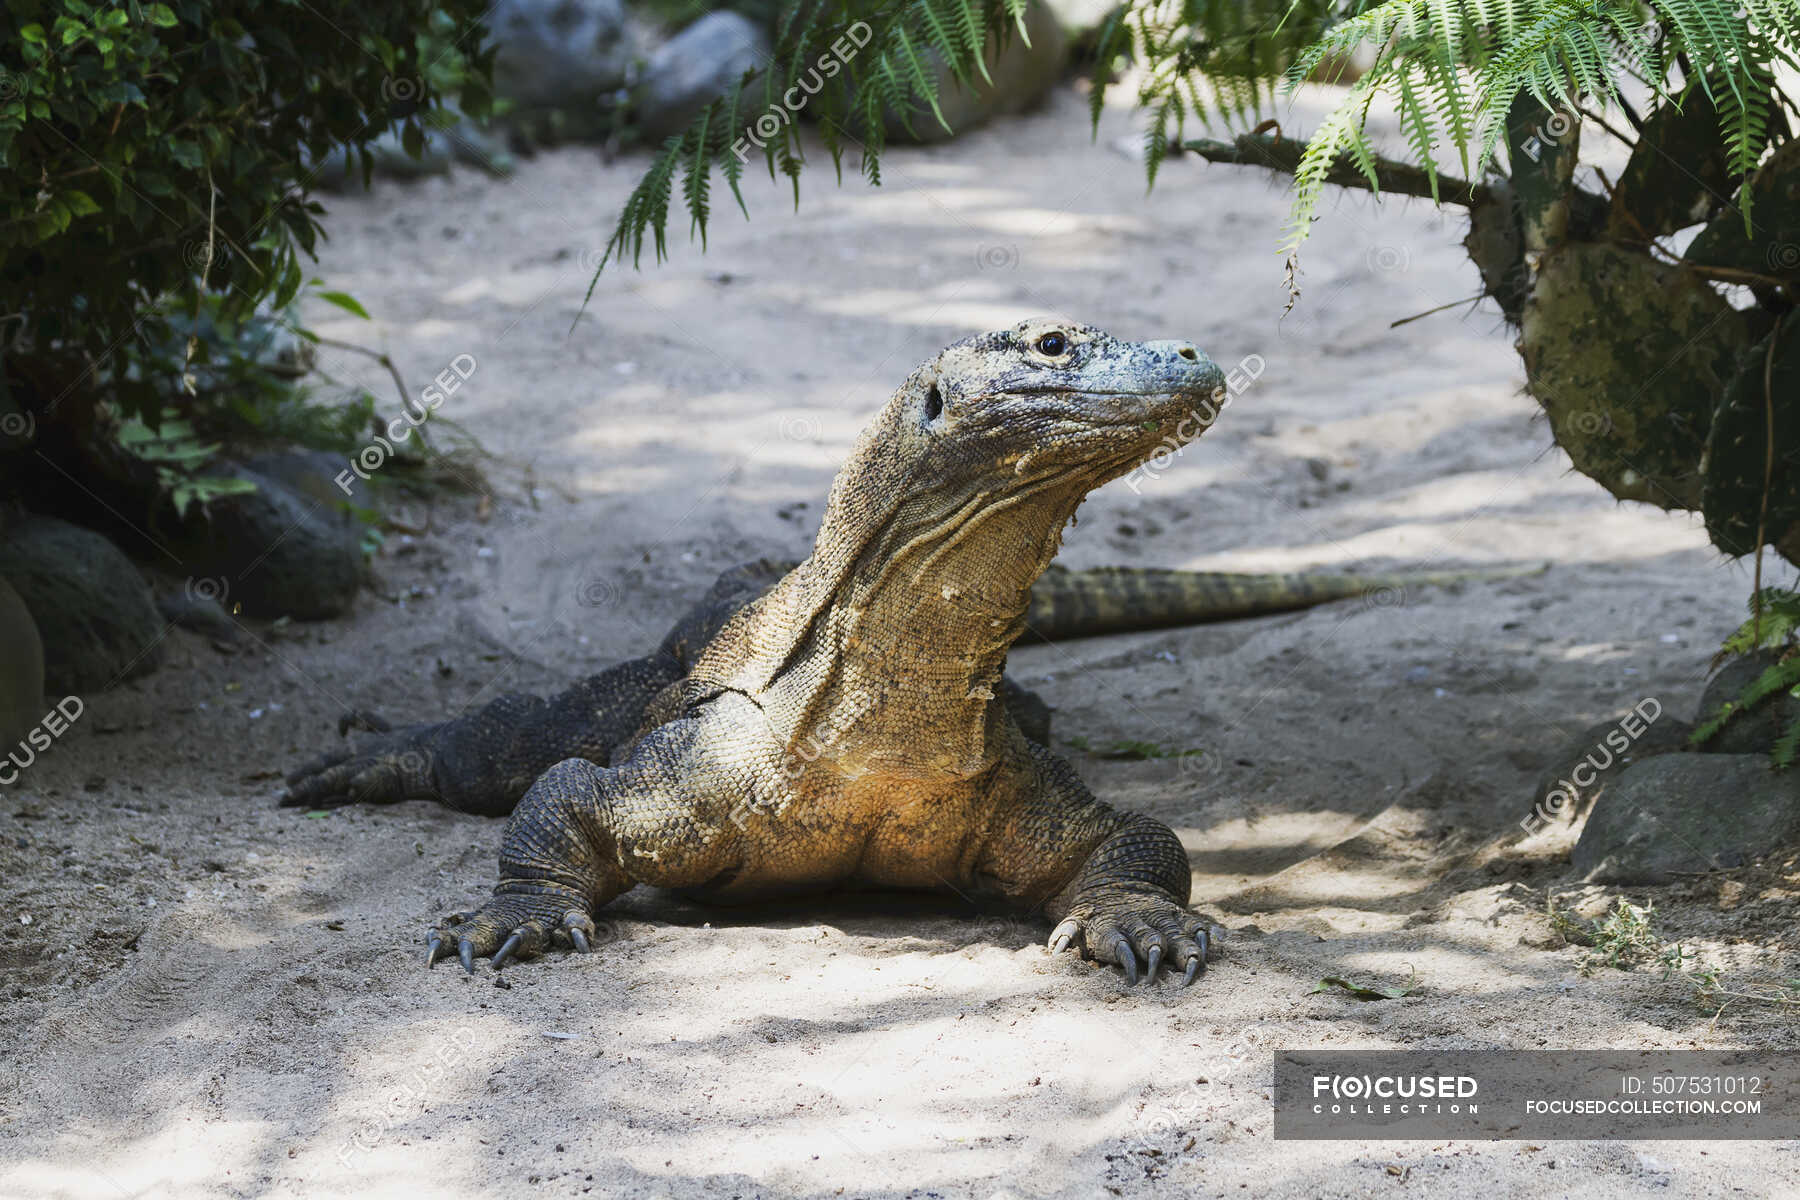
pixel 848 725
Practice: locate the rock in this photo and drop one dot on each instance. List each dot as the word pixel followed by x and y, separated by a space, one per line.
pixel 1021 74
pixel 1688 812
pixel 21 670
pixel 1753 731
pixel 93 610
pixel 696 67
pixel 562 64
pixel 291 548
pixel 464 143
pixel 1581 771
pixel 197 612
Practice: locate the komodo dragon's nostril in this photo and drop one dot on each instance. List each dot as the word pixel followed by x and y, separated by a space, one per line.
pixel 1189 353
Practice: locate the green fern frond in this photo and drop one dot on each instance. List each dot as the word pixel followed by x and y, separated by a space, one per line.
pixel 1451 69
pixel 1786 747
pixel 1777 677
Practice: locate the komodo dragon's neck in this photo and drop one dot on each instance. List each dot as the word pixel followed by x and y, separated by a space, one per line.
pixel 903 675
pixel 883 651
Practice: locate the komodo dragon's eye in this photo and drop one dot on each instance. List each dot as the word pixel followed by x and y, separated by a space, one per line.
pixel 1052 345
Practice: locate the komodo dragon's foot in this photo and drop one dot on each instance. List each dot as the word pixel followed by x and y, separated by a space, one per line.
pixel 1118 924
pixel 517 923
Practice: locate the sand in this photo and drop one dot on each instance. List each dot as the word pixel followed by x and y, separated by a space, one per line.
pixel 203 995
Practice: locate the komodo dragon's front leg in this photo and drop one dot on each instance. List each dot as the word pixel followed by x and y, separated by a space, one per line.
pixel 1115 883
pixel 584 834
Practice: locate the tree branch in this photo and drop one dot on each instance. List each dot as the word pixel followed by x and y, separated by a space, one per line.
pixel 1281 154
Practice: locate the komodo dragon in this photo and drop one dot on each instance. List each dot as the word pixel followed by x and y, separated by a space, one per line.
pixel 846 722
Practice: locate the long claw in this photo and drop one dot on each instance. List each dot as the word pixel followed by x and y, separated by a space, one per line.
pixel 580 940
pixel 1156 957
pixel 1063 936
pixel 1195 965
pixel 505 952
pixel 434 949
pixel 1127 959
pixel 465 950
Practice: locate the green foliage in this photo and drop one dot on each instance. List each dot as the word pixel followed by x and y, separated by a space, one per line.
pixel 233 376
pixel 859 61
pixel 1626 938
pixel 178 456
pixel 1774 621
pixel 218 379
pixel 1623 938
pixel 1363 991
pixel 1453 69
pixel 151 154
pixel 1773 624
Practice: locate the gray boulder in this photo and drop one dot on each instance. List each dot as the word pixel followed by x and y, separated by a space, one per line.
pixel 562 64
pixel 696 67
pixel 464 143
pixel 93 611
pixel 1754 730
pixel 1580 772
pixel 291 548
pixel 1679 813
pixel 21 670
pixel 1021 74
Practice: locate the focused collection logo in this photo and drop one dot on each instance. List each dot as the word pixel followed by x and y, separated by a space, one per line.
pixel 1394 1095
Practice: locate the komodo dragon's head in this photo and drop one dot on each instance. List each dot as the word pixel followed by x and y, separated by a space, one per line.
pixel 969 473
pixel 948 509
pixel 1043 399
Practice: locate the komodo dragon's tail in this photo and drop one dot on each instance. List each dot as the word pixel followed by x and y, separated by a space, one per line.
pixel 1072 604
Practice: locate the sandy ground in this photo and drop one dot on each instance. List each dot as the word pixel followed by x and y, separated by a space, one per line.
pixel 204 995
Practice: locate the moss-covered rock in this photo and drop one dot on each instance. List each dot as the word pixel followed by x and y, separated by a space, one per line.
pixel 91 606
pixel 1628 357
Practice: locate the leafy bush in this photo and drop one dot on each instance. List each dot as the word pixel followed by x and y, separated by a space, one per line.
pixel 155 154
